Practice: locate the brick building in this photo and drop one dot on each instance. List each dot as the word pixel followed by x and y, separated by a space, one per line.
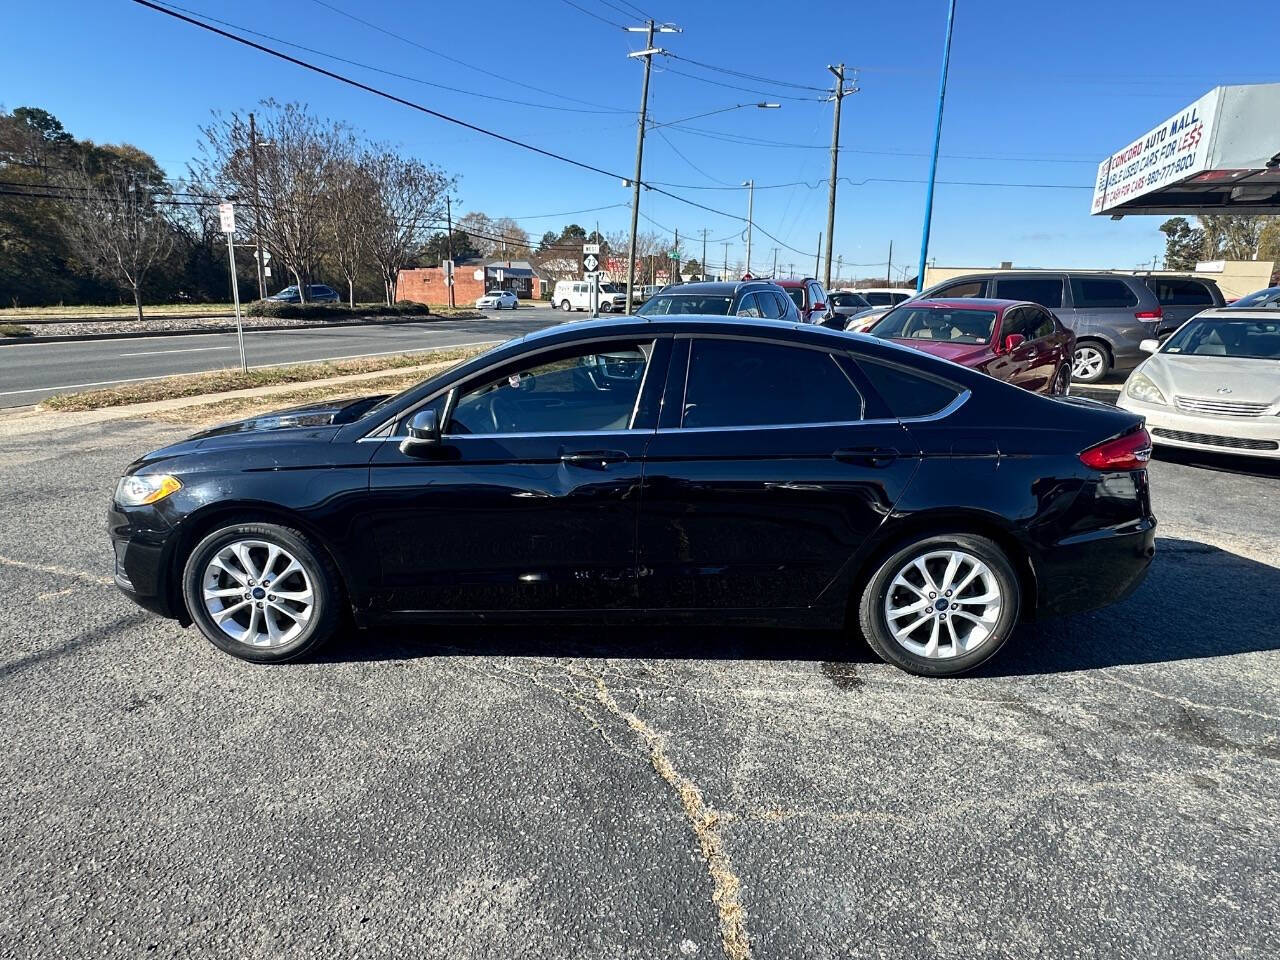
pixel 471 279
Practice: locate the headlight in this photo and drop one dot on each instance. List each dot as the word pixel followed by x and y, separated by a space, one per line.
pixel 1141 388
pixel 141 488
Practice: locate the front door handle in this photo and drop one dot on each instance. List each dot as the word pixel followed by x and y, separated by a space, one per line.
pixel 594 459
pixel 867 456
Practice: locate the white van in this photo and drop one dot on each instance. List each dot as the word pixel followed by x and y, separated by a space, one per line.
pixel 576 295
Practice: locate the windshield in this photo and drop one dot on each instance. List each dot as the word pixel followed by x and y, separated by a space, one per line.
pixel 414 386
pixel 1263 298
pixel 665 303
pixel 1213 337
pixel 609 288
pixel 840 299
pixel 946 324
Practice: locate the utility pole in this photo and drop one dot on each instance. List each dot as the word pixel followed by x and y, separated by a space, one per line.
pixel 751 199
pixel 704 253
pixel 675 250
pixel 840 94
pixel 775 262
pixel 937 139
pixel 647 53
pixel 448 220
pixel 817 261
pixel 257 209
pixel 839 267
pixel 888 270
pixel 726 261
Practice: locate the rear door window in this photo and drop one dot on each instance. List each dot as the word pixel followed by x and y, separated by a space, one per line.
pixel 1093 292
pixel 964 288
pixel 748 306
pixel 1046 291
pixel 739 383
pixel 769 308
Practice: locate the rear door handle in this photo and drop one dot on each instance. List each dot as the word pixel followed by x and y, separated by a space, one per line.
pixel 868 456
pixel 594 459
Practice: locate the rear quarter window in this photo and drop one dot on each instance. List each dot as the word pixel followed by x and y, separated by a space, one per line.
pixel 1097 292
pixel 905 392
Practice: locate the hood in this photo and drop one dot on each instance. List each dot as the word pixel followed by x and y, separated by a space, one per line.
pixel 306 417
pixel 1250 381
pixel 965 354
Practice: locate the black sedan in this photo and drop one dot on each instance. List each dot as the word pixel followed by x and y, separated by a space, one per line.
pixel 692 469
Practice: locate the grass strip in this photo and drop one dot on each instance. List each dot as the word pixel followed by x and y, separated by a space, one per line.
pixel 221 381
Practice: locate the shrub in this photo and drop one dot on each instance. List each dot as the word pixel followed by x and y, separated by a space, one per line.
pixel 327 311
pixel 14 330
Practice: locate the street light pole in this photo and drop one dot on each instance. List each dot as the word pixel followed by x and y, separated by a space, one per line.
pixel 448 221
pixel 751 199
pixel 937 138
pixel 257 209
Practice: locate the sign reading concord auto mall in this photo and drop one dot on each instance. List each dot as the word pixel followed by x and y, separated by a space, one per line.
pixel 1171 152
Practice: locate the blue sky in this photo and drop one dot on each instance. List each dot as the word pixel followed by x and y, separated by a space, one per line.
pixel 1038 93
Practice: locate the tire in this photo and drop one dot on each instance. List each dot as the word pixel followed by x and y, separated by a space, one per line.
pixel 283 627
pixel 942 642
pixel 566 306
pixel 1091 362
pixel 1061 386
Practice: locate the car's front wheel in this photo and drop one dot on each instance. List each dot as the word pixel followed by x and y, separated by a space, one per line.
pixel 262 592
pixel 940 605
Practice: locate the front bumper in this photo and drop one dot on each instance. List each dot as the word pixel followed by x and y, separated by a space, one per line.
pixel 1254 436
pixel 141 542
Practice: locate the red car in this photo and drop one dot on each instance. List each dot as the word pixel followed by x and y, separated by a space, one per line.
pixel 1011 340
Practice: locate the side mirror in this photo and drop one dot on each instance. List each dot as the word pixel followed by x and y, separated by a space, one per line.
pixel 424 432
pixel 1149 346
pixel 1013 341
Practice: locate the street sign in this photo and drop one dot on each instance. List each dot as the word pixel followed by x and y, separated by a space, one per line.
pixel 227 216
pixel 266 271
pixel 590 262
pixel 591 248
pixel 499 275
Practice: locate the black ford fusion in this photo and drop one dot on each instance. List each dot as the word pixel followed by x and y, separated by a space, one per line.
pixel 674 468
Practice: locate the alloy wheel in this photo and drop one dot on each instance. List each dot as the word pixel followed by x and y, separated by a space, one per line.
pixel 1089 363
pixel 258 593
pixel 943 604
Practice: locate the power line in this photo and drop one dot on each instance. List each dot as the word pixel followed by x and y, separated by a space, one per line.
pixel 677 152
pixel 773 94
pixel 592 13
pixel 462 63
pixel 749 76
pixel 392 73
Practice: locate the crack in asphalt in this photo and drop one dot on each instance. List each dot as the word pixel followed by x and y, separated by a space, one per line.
pixel 704 820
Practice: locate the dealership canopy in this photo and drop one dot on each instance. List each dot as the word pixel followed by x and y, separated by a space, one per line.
pixel 1220 154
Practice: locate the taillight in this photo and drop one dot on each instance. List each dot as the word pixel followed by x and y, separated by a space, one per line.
pixel 1155 314
pixel 1130 452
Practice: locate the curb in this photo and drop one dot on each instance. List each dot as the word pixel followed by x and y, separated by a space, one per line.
pixel 88 337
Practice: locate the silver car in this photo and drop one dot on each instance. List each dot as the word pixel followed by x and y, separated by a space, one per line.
pixel 498 300
pixel 1214 384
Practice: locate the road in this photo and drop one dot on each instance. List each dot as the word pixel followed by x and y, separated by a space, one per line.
pixel 31 372
pixel 1104 788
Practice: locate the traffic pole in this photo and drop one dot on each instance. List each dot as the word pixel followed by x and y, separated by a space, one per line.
pixel 235 296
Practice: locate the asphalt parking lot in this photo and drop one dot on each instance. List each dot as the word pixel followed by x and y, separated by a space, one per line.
pixel 1105 788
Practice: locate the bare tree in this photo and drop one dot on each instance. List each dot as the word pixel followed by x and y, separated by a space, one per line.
pixel 407 203
pixel 481 229
pixel 514 239
pixel 115 226
pixel 351 212
pixel 295 153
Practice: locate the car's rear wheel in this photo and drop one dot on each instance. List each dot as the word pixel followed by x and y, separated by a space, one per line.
pixel 566 306
pixel 262 592
pixel 1090 362
pixel 940 605
pixel 1061 385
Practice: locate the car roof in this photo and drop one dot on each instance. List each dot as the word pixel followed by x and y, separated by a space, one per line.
pixel 1238 313
pixel 795 282
pixel 725 288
